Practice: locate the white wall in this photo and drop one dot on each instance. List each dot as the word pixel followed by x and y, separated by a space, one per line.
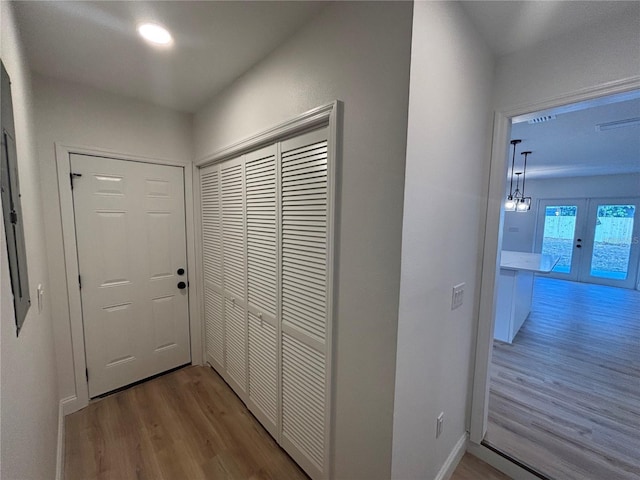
pixel 444 202
pixel 602 186
pixel 29 397
pixel 77 115
pixel 594 55
pixel 358 53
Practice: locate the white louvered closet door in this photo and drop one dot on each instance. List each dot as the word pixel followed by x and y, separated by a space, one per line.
pixel 305 308
pixel 266 228
pixel 234 272
pixel 211 217
pixel 262 281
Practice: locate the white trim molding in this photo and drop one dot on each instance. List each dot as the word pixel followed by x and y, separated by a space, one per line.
pixel 492 241
pixel 452 461
pixel 60 448
pixel 317 116
pixel 63 152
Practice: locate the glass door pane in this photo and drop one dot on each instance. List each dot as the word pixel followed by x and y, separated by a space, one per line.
pixel 560 226
pixel 613 253
pixel 612 241
pixel 559 232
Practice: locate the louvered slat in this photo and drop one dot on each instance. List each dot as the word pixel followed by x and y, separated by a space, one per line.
pixel 232 200
pixel 304 256
pixel 214 321
pixel 263 379
pixel 303 398
pixel 212 263
pixel 260 174
pixel 211 227
pixel 235 335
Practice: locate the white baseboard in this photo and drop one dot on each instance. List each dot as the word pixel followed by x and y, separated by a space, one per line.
pixel 71 405
pixel 60 446
pixel 453 459
pixel 66 406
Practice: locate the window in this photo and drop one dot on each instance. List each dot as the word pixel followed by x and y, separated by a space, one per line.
pixel 11 208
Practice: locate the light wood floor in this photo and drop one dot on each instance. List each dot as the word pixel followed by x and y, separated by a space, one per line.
pixel 186 425
pixel 472 468
pixel 565 396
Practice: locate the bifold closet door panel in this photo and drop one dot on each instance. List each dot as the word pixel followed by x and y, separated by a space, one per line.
pixel 233 227
pixel 263 371
pixel 262 231
pixel 232 200
pixel 210 209
pixel 262 281
pixel 305 283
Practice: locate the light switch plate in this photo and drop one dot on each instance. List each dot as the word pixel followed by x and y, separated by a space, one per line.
pixel 40 293
pixel 457 297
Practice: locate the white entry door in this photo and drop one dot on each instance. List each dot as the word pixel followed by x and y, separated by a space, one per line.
pixel 130 232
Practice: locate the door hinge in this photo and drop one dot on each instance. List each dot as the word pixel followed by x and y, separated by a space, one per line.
pixel 72 176
pixel 86 373
pixel 79 281
pixel 13 216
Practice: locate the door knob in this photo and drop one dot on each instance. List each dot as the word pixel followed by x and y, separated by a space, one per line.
pixel 578 246
pixel 182 285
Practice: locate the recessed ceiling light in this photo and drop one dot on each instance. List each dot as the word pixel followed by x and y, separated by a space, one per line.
pixel 155 34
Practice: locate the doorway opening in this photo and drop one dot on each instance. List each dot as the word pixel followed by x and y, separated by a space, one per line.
pixel 564 389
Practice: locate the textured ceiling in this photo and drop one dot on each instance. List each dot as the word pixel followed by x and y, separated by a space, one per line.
pixel 96 43
pixel 509 26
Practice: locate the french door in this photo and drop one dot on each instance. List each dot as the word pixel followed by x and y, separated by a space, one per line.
pixel 595 239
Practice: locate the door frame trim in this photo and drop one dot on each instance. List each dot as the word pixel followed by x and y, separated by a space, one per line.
pixel 490 258
pixel 63 152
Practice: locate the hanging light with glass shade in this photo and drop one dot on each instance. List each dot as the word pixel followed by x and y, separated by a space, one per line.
pixel 510 203
pixel 524 202
pixel 517 201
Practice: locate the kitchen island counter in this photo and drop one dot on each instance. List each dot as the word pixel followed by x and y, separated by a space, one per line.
pixel 515 290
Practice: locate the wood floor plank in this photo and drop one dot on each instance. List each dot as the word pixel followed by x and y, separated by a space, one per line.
pixel 472 468
pixel 565 396
pixel 187 424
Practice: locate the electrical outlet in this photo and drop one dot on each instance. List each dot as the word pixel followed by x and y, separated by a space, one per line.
pixel 439 424
pixel 457 296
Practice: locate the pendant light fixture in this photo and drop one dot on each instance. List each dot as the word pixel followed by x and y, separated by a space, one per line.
pixel 524 202
pixel 517 201
pixel 510 203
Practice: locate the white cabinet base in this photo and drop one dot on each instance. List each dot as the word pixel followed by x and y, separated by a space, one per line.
pixel 515 293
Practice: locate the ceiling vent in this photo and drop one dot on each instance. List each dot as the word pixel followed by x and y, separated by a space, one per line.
pixel 629 122
pixel 544 118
